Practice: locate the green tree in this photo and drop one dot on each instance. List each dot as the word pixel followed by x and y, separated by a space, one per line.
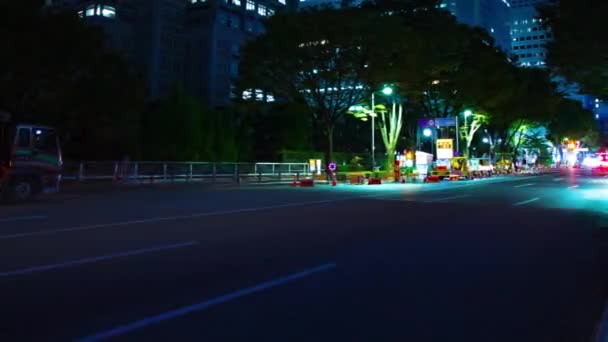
pixel 318 56
pixel 469 128
pixel 442 67
pixel 391 122
pixel 532 99
pixel 174 129
pixel 578 49
pixel 572 121
pixel 55 70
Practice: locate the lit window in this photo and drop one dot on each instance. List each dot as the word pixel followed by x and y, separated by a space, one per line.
pixel 283 2
pixel 250 5
pixel 81 14
pixel 261 10
pixel 259 95
pixel 270 12
pixel 90 11
pixel 246 95
pixel 236 3
pixel 108 12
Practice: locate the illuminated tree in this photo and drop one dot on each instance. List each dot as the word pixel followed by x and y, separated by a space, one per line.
pixel 390 124
pixel 469 128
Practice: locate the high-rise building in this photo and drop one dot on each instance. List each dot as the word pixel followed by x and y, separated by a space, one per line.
pixel 192 43
pixel 329 3
pixel 492 15
pixel 216 31
pixel 528 35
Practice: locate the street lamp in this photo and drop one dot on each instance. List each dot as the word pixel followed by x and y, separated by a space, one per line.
pixel 386 91
pixel 427 132
pixel 485 140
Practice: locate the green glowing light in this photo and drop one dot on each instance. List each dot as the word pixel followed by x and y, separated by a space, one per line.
pixel 387 91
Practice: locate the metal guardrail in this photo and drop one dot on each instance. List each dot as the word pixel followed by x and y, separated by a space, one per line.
pixel 158 171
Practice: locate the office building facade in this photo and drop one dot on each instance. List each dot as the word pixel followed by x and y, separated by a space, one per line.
pixel 492 15
pixel 190 43
pixel 529 37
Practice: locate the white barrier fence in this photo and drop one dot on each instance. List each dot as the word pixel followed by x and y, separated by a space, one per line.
pixel 153 171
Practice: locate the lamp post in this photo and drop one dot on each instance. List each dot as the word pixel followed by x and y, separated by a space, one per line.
pixel 387 91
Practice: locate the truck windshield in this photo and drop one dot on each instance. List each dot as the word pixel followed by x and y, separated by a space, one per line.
pixel 45 139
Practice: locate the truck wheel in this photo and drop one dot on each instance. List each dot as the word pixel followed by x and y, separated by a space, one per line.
pixel 20 190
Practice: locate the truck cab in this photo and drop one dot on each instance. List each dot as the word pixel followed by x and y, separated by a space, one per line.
pixel 30 161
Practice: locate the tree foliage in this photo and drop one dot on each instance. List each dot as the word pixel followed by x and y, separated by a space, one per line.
pixel 180 128
pixel 572 121
pixel 579 48
pixel 319 56
pixel 55 70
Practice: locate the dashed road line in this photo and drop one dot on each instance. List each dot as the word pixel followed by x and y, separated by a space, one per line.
pixel 523 185
pixel 169 218
pixel 526 202
pixel 22 218
pixel 448 198
pixel 202 306
pixel 91 260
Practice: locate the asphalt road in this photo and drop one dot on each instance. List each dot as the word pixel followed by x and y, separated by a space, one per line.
pixel 505 259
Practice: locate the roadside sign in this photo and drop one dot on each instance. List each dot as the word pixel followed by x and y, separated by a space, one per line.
pixel 445 148
pixel 332 166
pixel 445 122
pixel 426 122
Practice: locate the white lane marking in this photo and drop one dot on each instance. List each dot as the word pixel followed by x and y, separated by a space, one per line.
pixel 168 218
pixel 22 218
pixel 574 186
pixel 91 260
pixel 522 185
pixel 558 179
pixel 526 202
pixel 152 320
pixel 447 198
pixel 234 211
pixel 396 199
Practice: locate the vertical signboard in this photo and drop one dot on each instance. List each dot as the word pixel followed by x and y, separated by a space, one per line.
pixel 445 148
